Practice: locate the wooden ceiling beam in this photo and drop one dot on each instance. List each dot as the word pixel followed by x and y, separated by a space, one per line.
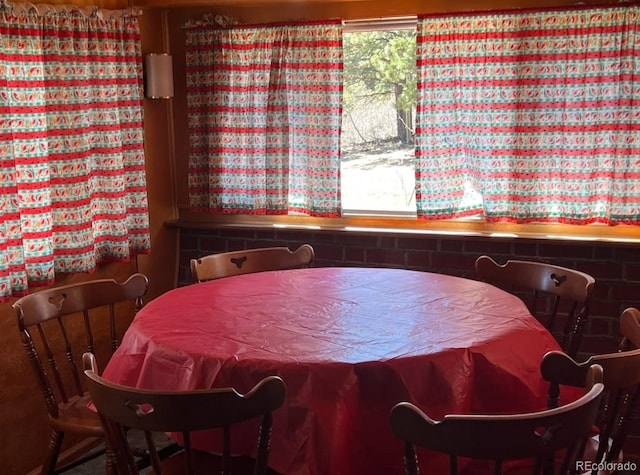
pixel 408 6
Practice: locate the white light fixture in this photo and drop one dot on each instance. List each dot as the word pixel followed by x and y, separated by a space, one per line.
pixel 158 76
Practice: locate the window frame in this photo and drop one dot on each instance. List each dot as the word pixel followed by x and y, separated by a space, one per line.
pixel 379 24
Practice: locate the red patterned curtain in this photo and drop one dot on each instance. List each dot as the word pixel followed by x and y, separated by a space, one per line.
pixel 530 116
pixel 71 143
pixel 265 107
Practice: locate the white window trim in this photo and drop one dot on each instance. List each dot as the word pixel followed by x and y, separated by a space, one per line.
pixel 380 24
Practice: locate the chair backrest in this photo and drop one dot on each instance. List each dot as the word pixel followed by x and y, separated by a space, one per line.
pixel 123 407
pixel 621 398
pixel 552 293
pixel 630 329
pixel 538 436
pixel 225 264
pixel 59 324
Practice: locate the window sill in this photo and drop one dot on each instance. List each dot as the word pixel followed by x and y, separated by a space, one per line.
pixel 411 226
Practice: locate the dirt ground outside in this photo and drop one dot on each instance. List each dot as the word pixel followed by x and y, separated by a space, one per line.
pixel 378 176
pixel 377 170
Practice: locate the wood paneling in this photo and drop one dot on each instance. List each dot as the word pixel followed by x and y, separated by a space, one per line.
pixel 160 157
pixel 22 410
pixel 351 9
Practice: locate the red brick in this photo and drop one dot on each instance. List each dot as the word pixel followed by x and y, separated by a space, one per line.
pixel 354 254
pixel 267 235
pixel 294 234
pixel 602 252
pixel 525 250
pixel 566 251
pixel 212 245
pixel 387 242
pixel 628 254
pixel 273 243
pixel 240 233
pixel 385 256
pixel 599 326
pixel 189 242
pixel 632 272
pixel 626 292
pixel 209 233
pixel 601 270
pixel 488 247
pixel 356 240
pixel 602 290
pixel 603 307
pixel 598 344
pixel 451 245
pixel 418 243
pixel 326 252
pixel 322 237
pixel 441 261
pixel 235 244
pixel 419 260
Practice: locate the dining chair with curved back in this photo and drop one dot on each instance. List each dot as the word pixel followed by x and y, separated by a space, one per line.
pixel 552 293
pixel 225 264
pixel 538 436
pixel 630 329
pixel 183 412
pixel 621 397
pixel 57 326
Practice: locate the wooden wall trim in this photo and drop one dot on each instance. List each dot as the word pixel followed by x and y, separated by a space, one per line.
pixel 433 6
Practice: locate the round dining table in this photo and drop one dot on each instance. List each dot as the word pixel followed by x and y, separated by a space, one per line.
pixel 349 343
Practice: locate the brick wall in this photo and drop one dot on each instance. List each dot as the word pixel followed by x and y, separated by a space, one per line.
pixel 616 267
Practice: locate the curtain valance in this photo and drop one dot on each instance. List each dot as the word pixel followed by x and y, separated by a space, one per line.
pixel 45 9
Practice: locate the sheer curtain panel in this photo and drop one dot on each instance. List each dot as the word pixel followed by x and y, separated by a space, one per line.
pixel 71 142
pixel 530 116
pixel 265 107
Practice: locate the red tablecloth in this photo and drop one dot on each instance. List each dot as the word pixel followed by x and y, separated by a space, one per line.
pixel 349 343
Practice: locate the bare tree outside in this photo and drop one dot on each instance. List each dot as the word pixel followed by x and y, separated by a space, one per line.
pixel 378 174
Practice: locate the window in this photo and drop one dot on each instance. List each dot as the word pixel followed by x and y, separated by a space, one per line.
pixel 377 147
pixel 501 134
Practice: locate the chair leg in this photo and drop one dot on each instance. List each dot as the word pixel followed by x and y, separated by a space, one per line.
pixel 53 451
pixel 112 468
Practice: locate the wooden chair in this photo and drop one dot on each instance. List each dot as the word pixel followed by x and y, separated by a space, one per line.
pixel 554 292
pixel 183 412
pixel 621 397
pixel 630 329
pixel 225 264
pixel 56 326
pixel 501 438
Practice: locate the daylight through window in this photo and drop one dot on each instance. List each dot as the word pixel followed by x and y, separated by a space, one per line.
pixel 377 168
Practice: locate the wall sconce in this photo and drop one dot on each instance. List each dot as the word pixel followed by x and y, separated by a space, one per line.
pixel 158 76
